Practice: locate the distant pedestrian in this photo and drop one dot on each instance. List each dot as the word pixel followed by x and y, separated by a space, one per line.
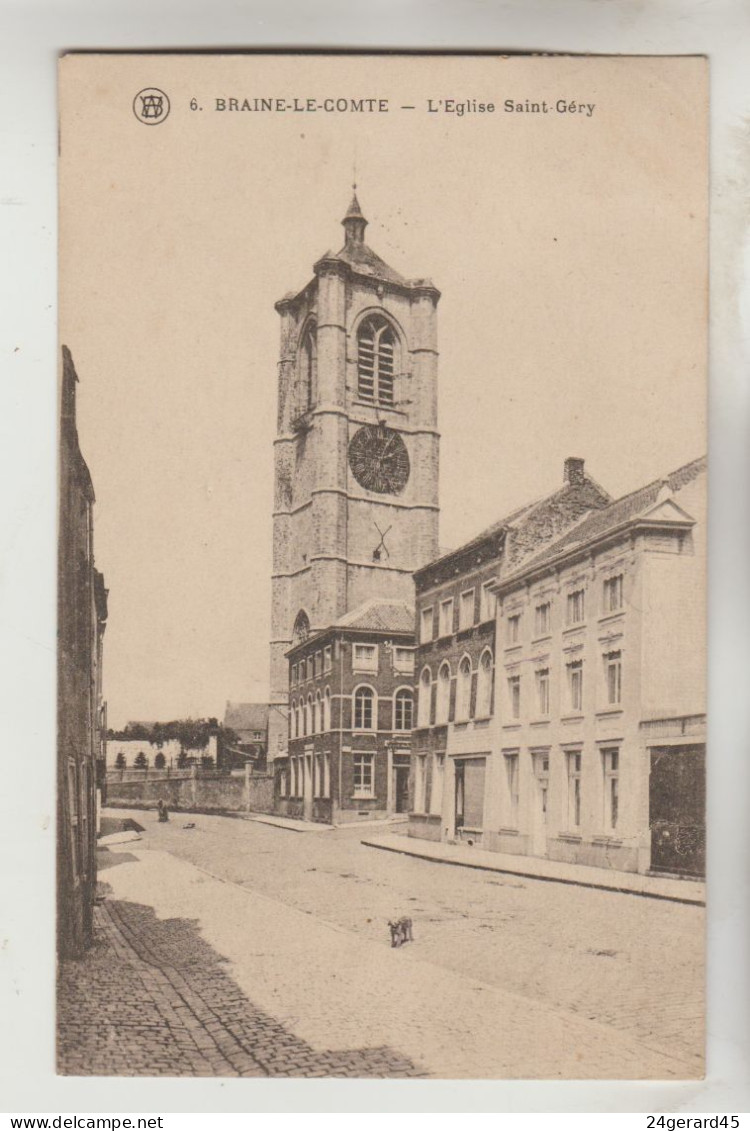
pixel 163 811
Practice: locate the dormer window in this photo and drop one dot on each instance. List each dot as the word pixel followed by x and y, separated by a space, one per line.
pixel 376 360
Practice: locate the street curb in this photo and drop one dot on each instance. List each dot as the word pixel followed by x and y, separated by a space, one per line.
pixel 572 881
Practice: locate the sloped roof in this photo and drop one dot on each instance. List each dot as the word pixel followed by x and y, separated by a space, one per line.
pixel 597 523
pixel 531 524
pixel 246 716
pixel 365 261
pixel 379 615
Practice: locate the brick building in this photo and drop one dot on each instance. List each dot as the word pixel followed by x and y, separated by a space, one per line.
pixel 350 718
pixel 599 747
pixel 356 451
pixel 82 616
pixel 456 657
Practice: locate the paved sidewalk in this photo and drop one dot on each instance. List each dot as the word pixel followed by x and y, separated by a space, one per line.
pixel 268 977
pixel 151 999
pixel 299 826
pixel 534 867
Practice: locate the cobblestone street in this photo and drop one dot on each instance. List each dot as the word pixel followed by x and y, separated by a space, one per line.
pixel 235 948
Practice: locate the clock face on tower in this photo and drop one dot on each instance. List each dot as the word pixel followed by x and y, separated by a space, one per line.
pixel 379 459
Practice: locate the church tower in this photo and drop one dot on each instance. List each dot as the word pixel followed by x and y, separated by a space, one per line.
pixel 356 451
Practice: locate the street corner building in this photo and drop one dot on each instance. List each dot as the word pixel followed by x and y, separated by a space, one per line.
pixel 82 616
pixel 356 450
pixel 350 718
pixel 561 680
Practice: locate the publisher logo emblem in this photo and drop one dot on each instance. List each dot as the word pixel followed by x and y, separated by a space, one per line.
pixel 151 106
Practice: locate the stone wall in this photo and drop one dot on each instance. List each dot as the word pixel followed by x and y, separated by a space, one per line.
pixel 196 792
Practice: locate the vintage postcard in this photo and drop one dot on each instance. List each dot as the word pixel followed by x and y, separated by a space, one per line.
pixel 382 651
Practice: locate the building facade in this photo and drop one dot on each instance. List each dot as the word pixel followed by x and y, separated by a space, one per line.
pixel 590 746
pixel 82 616
pixel 600 689
pixel 456 659
pixel 356 451
pixel 350 718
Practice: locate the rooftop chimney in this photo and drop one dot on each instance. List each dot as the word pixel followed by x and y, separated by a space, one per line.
pixel 574 475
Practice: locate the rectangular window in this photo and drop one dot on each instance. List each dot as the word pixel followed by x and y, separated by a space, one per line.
pixel 446 617
pixel 542 619
pixel 365 658
pixel 511 776
pixel 293 676
pixel 613 675
pixel 542 690
pixel 466 610
pixel 318 663
pixel 514 696
pixel 575 606
pixel 514 628
pixel 327 658
pixel 309 667
pixel 611 764
pixel 613 594
pixel 574 790
pixel 317 775
pixel 364 779
pixel 488 603
pixel 326 775
pixel 403 660
pixel 282 783
pixel 574 671
pixel 425 626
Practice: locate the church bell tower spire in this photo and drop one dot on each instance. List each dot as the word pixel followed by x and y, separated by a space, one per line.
pixel 354 222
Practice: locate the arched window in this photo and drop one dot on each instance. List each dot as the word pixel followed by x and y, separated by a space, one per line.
pixel 327 710
pixel 423 702
pixel 308 368
pixel 442 708
pixel 403 710
pixel 364 709
pixel 300 719
pixel 376 360
pixel 293 720
pixel 310 724
pixel 484 686
pixel 463 690
pixel 301 629
pixel 318 714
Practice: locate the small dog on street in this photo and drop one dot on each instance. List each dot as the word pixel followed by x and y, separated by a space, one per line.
pixel 401 931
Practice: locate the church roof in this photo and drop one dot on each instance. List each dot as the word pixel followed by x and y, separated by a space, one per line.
pixel 379 615
pixel 365 261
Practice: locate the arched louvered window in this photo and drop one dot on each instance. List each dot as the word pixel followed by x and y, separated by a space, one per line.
pixel 376 360
pixel 308 363
pixel 463 690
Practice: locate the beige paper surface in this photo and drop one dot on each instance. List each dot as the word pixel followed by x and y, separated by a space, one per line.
pixel 566 230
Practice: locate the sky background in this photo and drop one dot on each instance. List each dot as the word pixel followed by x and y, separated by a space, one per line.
pixel 570 252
